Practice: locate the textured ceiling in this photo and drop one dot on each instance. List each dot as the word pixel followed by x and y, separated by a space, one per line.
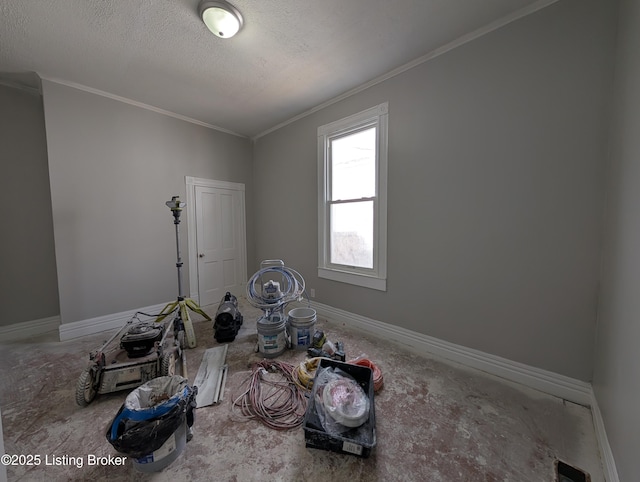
pixel 290 56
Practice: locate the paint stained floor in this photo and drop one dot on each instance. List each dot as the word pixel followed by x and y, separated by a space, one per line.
pixel 435 420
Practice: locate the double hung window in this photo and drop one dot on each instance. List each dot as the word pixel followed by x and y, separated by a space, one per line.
pixel 352 205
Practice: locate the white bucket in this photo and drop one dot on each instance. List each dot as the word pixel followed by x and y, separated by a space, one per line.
pixel 166 454
pixel 272 336
pixel 302 327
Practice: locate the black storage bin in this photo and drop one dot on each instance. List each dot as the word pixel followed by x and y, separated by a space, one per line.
pixel 356 441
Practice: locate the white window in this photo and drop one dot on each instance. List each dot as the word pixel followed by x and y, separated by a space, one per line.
pixel 352 199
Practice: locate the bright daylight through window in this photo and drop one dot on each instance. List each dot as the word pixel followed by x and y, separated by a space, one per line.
pixel 352 168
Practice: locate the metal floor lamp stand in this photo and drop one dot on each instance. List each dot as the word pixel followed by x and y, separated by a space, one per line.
pixel 182 304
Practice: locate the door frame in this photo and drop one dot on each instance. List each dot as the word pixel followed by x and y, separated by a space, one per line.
pixel 191 184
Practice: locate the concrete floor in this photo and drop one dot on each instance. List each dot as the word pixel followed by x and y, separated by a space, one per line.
pixel 436 421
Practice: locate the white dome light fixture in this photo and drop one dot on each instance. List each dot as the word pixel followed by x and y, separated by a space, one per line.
pixel 222 18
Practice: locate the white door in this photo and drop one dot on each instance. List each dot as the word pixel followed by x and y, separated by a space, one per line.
pixel 219 237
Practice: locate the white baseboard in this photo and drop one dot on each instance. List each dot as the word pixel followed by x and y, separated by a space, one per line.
pixel 608 462
pixel 567 388
pixel 28 329
pixel 570 389
pixel 76 329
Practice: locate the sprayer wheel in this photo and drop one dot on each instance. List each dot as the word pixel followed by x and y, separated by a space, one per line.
pixel 85 388
pixel 168 366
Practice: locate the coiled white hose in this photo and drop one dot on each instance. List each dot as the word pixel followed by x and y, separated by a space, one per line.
pixel 292 291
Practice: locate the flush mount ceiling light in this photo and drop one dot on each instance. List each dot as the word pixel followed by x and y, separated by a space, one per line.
pixel 222 18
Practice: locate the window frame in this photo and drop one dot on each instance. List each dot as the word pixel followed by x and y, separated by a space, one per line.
pixel 376 277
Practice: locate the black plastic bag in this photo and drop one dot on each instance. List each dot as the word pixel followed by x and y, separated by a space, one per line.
pixel 150 416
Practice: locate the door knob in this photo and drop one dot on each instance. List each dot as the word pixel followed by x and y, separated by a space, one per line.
pixel 201 255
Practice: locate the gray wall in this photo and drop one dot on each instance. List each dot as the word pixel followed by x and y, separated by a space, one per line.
pixel 28 285
pixel 495 190
pixel 617 367
pixel 112 167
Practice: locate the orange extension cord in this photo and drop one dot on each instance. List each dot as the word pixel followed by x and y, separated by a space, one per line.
pixel 378 381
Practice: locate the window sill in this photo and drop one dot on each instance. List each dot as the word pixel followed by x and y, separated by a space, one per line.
pixel 365 281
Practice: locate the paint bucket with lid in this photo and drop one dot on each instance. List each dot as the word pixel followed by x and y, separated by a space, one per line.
pixel 301 323
pixel 272 336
